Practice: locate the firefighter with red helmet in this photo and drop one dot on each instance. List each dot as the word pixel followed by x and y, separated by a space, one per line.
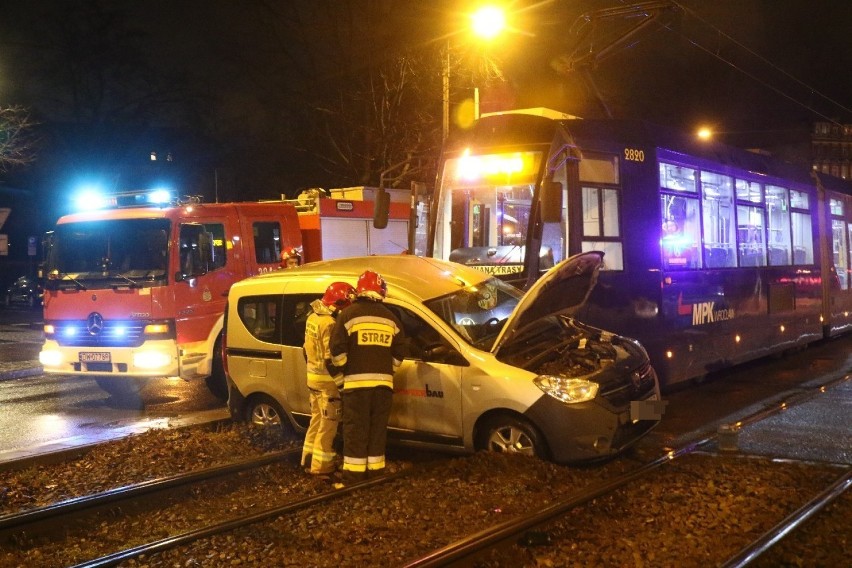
pixel 290 257
pixel 368 343
pixel 324 379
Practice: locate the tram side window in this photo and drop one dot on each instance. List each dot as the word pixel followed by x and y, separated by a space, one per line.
pixel 800 228
pixel 718 212
pixel 750 235
pixel 749 191
pixel 681 232
pixel 803 242
pixel 267 242
pixel 778 213
pixel 601 227
pixel 677 178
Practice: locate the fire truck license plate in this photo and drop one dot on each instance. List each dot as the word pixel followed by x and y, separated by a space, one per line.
pixel 94 357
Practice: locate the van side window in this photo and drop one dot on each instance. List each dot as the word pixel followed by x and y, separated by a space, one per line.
pixel 267 242
pixel 261 316
pixel 294 312
pixel 424 341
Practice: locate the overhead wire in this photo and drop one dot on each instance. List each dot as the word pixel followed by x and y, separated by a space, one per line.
pixel 693 14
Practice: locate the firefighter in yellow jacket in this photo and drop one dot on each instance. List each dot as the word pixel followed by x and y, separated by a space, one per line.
pixel 324 379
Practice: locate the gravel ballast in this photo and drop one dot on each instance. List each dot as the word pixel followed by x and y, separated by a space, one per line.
pixel 697 511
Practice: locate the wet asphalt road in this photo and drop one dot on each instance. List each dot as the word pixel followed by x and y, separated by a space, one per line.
pixel 43 413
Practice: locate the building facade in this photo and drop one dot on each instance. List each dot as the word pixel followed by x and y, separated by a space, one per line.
pixel 831 149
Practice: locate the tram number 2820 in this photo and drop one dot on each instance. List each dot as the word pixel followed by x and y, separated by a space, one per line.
pixel 634 155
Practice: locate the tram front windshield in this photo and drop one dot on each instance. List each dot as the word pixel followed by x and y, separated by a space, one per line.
pixel 484 210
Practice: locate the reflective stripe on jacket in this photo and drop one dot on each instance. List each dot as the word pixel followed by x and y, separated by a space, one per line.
pixel 368 342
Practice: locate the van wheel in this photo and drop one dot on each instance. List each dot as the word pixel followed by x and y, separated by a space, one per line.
pixel 216 382
pixel 263 411
pixel 121 389
pixel 511 435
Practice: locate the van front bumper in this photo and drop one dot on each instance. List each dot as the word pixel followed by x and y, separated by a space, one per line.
pixel 586 431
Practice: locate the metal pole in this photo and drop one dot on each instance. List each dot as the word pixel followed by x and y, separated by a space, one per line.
pixel 445 78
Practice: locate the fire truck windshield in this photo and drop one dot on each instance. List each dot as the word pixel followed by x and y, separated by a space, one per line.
pixel 483 213
pixel 107 253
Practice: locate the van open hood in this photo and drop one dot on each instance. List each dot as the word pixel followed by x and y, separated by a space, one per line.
pixel 561 290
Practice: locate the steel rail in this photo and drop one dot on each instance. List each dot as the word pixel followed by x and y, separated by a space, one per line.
pixel 486 538
pixel 783 529
pixel 226 526
pixel 17 520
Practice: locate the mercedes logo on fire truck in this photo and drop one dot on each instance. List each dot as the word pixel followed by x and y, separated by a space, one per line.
pixel 95 323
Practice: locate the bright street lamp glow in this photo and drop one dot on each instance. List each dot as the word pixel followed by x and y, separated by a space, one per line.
pixel 488 21
pixel 705 133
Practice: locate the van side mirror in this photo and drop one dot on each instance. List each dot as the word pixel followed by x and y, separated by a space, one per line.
pixel 551 202
pixel 381 209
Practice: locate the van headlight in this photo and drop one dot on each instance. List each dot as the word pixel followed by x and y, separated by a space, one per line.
pixel 569 391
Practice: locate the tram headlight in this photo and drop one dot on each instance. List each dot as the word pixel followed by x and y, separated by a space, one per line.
pixel 151 359
pixel 569 391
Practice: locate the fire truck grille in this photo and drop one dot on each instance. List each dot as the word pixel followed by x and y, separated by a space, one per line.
pixel 114 333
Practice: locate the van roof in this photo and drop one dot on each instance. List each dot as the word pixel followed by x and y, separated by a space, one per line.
pixel 422 277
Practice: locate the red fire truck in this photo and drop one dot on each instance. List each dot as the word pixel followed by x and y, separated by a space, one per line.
pixel 137 290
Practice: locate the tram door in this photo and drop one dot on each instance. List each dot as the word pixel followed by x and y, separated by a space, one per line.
pixel 839 244
pixel 840 290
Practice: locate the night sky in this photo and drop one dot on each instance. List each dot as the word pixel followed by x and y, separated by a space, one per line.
pixel 259 98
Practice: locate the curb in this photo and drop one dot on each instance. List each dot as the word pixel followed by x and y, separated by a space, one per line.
pixel 19 373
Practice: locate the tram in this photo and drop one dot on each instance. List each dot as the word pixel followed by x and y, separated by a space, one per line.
pixel 713 255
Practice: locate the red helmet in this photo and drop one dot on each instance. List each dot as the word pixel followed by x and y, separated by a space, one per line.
pixel 372 285
pixel 290 252
pixel 338 294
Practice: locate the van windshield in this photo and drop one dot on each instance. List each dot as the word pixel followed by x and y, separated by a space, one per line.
pixel 478 313
pixel 109 252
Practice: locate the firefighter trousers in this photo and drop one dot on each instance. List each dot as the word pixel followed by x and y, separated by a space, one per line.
pixel 365 429
pixel 319 439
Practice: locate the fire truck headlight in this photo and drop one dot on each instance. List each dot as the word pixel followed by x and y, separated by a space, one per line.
pixel 569 391
pixel 50 358
pixel 151 359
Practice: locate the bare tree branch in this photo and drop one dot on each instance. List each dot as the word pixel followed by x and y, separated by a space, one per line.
pixel 17 137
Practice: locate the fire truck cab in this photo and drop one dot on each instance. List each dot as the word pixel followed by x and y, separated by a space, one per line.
pixel 138 290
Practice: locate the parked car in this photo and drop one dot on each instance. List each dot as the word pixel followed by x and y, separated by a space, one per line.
pixel 25 291
pixel 488 367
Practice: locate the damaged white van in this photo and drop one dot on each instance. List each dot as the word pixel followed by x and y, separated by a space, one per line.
pixel 489 367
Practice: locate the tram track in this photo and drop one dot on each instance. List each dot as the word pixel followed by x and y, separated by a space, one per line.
pixel 311 510
pixel 465 551
pixel 55 512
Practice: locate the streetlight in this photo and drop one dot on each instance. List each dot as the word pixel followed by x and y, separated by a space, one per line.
pixel 486 23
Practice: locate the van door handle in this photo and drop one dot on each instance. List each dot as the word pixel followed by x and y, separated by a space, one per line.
pixel 225 293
